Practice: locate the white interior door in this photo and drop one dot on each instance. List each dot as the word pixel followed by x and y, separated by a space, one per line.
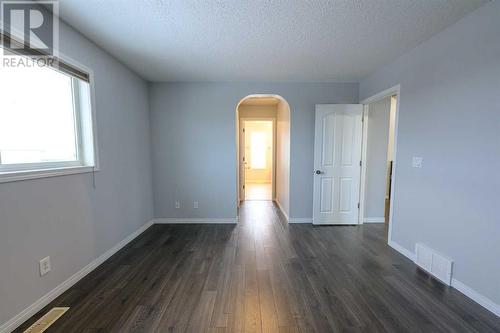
pixel 337 157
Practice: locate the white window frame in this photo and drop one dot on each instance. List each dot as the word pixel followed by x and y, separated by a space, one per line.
pixel 85 132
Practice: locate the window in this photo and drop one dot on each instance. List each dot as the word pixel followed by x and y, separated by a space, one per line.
pixel 258 149
pixel 45 119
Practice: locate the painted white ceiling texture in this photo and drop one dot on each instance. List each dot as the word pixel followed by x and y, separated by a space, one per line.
pixel 260 40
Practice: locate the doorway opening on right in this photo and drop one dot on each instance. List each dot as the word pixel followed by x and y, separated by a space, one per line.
pixel 379 130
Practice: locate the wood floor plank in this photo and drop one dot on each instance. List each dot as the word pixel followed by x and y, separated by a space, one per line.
pixel 268 314
pixel 263 275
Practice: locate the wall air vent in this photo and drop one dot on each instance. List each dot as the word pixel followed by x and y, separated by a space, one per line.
pixel 48 319
pixel 434 263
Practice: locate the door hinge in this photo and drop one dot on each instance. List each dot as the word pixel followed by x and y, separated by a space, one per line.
pixel 360 163
pixel 243 130
pixel 358 205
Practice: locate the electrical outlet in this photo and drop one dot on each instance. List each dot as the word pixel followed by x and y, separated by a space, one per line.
pixel 417 162
pixel 195 205
pixel 45 266
pixel 177 204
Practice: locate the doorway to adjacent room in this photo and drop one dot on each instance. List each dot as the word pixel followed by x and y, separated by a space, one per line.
pixel 263 150
pixel 258 142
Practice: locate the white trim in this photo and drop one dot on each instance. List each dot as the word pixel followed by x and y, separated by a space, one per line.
pixel 31 310
pixel 90 163
pixel 460 286
pixel 374 220
pixel 282 210
pixel 396 90
pixel 93 115
pixel 13 176
pixel 364 152
pixel 20 167
pixel 174 220
pixel 381 95
pixel 476 297
pixel 301 220
pixel 407 253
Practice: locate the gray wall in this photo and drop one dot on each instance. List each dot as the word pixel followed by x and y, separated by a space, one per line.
pixel 450 115
pixel 376 158
pixel 65 217
pixel 194 147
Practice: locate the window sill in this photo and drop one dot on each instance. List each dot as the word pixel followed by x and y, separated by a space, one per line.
pixel 14 176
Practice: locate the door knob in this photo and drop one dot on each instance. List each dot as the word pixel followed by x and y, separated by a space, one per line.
pixel 318 172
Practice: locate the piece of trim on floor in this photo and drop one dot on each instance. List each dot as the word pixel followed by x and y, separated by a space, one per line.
pixel 31 310
pixel 480 299
pixel 373 220
pixel 282 210
pixel 174 220
pixel 477 297
pixel 300 220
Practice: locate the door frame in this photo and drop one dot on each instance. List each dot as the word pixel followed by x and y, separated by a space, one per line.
pixel 395 90
pixel 273 169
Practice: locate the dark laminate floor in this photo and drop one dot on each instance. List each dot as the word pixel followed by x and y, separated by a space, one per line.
pixel 264 275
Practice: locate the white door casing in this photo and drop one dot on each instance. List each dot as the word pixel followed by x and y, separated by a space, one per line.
pixel 242 161
pixel 337 159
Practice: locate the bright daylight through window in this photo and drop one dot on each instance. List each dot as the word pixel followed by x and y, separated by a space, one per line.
pixel 45 119
pixel 258 150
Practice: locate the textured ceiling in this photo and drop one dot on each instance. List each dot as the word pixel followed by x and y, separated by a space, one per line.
pixel 260 40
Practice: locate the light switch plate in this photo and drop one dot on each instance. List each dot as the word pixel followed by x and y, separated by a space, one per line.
pixel 417 162
pixel 195 205
pixel 45 266
pixel 177 204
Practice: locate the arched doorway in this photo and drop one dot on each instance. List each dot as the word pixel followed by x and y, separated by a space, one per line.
pixel 264 175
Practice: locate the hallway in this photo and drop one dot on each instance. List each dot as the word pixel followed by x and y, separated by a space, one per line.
pixel 264 275
pixel 255 191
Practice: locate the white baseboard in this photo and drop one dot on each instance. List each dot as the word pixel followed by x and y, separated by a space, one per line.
pixel 373 220
pixel 282 210
pixel 463 288
pixel 476 297
pixel 173 220
pixel 407 253
pixel 31 310
pixel 300 220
